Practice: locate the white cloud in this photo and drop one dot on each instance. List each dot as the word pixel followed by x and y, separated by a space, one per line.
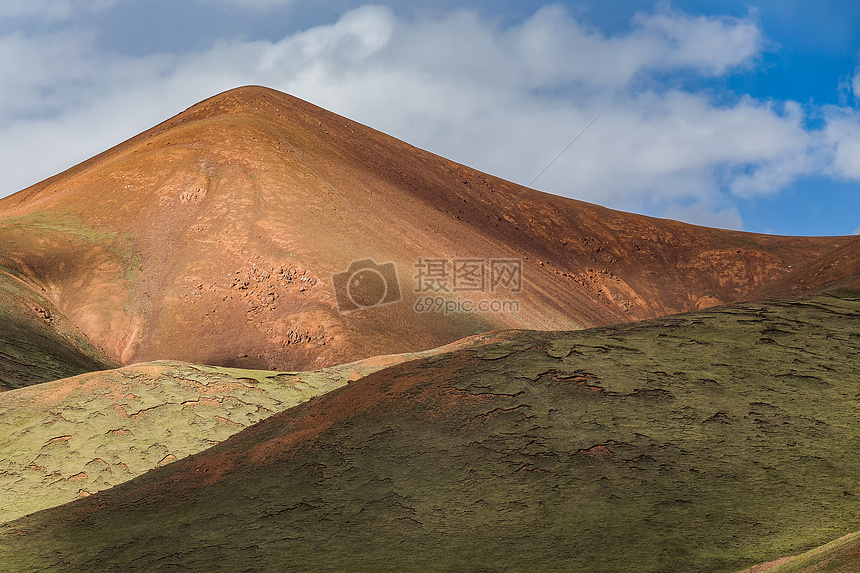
pixel 855 83
pixel 842 139
pixel 46 74
pixel 503 99
pixel 334 49
pixel 706 215
pixel 665 147
pixel 711 45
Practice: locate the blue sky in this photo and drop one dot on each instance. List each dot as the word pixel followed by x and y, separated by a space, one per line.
pixel 733 114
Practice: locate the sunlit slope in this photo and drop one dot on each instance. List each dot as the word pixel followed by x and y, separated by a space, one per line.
pixel 839 556
pixel 836 269
pixel 70 438
pixel 73 437
pixel 213 238
pixel 700 442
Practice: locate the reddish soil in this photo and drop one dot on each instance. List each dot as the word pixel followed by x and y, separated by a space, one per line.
pixel 213 238
pixel 837 269
pixel 404 388
pixel 766 566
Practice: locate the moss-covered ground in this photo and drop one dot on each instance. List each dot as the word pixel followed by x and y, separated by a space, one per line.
pixel 701 442
pixel 73 437
pixel 839 556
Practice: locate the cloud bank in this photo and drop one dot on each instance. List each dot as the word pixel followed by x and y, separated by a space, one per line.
pixel 502 98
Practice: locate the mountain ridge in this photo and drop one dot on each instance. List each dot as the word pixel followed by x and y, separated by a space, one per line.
pixel 234 215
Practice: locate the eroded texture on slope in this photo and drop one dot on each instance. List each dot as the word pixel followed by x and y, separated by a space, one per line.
pixel 234 215
pixel 37 342
pixel 839 269
pixel 73 437
pixel 700 442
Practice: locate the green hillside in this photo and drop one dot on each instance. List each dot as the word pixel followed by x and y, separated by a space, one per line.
pixel 73 437
pixel 839 556
pixel 70 438
pixel 701 442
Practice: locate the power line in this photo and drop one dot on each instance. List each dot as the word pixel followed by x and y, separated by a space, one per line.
pixel 563 151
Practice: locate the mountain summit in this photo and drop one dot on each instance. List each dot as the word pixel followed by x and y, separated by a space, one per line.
pixel 219 237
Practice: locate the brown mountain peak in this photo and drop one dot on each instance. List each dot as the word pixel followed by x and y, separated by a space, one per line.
pixel 215 237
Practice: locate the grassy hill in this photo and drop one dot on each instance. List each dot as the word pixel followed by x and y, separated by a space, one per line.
pixel 73 437
pixel 839 556
pixel 707 441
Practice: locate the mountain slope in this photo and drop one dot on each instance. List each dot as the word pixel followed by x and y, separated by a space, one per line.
pixel 37 342
pixel 700 442
pixel 73 437
pixel 839 556
pixel 233 217
pixel 834 270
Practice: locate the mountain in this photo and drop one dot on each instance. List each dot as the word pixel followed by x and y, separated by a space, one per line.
pixel 362 411
pixel 706 441
pixel 220 235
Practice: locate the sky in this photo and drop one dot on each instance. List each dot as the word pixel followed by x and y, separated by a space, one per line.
pixel 734 114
